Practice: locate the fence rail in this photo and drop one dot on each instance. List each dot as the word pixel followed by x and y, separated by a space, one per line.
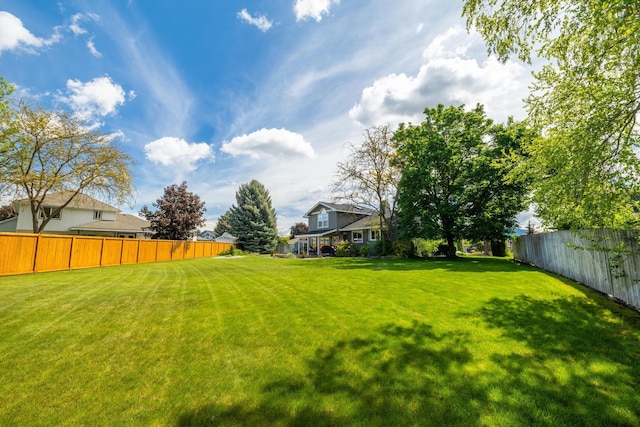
pixel 32 253
pixel 571 255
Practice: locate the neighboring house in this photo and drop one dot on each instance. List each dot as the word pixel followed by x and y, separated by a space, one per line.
pixel 83 216
pixel 226 238
pixel 331 223
pixel 206 235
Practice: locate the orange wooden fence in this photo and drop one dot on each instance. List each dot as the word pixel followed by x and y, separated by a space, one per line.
pixel 32 253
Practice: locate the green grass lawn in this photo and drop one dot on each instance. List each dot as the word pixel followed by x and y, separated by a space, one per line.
pixel 262 341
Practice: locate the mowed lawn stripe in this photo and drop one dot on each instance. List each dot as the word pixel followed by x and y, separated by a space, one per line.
pixel 263 341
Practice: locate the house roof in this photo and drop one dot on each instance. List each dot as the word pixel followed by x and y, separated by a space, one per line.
pixel 348 208
pixel 317 233
pixel 123 222
pixel 81 201
pixel 368 222
pixel 226 238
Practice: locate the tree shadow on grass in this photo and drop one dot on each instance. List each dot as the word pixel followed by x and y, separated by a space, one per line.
pixel 461 265
pixel 554 363
pixel 582 363
pixel 400 375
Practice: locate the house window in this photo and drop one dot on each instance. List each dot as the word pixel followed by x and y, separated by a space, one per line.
pixel 97 214
pixel 47 211
pixel 323 219
pixel 324 241
pixel 356 237
pixel 374 235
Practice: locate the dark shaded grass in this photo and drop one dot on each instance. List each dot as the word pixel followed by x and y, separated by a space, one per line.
pixel 260 341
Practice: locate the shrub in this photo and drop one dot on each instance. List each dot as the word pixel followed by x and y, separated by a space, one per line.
pixel 425 247
pixel 232 251
pixel 364 250
pixel 402 249
pixel 382 247
pixel 346 249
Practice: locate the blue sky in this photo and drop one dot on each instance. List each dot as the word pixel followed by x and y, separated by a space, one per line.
pixel 218 93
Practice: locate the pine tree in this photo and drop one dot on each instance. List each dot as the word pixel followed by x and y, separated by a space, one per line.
pixel 253 219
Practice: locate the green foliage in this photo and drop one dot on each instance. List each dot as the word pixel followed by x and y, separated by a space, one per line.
pixel 51 151
pixel 178 213
pixel 365 250
pixel 222 225
pixel 232 251
pixel 346 249
pixel 253 219
pixel 454 173
pixel 425 247
pixel 585 172
pixel 403 249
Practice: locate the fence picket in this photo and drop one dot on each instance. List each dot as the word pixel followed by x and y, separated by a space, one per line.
pixel 22 253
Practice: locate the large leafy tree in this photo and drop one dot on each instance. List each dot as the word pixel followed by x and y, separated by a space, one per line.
pixel 223 224
pixel 45 152
pixel 369 176
pixel 178 213
pixel 253 219
pixel 585 99
pixel 452 183
pixel 298 228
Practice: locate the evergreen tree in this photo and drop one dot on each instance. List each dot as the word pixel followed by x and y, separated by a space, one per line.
pixel 223 224
pixel 253 220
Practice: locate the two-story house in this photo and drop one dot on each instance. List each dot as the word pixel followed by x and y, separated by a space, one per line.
pixel 331 223
pixel 84 215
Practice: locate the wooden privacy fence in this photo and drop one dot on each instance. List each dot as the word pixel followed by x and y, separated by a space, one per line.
pixel 569 254
pixel 32 253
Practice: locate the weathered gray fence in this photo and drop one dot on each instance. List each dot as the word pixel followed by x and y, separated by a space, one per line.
pixel 571 255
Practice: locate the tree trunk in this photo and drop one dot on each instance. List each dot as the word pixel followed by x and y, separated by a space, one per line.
pixel 451 247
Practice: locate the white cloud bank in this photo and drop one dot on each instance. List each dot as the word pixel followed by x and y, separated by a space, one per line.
pixel 269 143
pixel 450 75
pixel 261 22
pixel 98 97
pixel 13 35
pixel 176 153
pixel 312 9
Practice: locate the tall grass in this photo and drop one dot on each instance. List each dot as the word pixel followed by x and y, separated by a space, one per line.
pixel 262 341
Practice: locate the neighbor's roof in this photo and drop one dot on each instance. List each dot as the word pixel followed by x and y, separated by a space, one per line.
pixel 348 208
pixel 368 222
pixel 81 201
pixel 123 222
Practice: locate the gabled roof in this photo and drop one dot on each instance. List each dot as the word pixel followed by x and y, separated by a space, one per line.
pixel 81 201
pixel 346 208
pixel 368 222
pixel 123 222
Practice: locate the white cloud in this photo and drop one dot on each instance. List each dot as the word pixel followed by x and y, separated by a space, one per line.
pixel 450 75
pixel 98 97
pixel 177 153
pixel 78 18
pixel 92 48
pixel 13 35
pixel 260 21
pixel 269 142
pixel 312 8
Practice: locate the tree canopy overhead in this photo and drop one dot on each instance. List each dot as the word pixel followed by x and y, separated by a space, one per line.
pixel 585 100
pixel 178 213
pixel 253 219
pixel 46 152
